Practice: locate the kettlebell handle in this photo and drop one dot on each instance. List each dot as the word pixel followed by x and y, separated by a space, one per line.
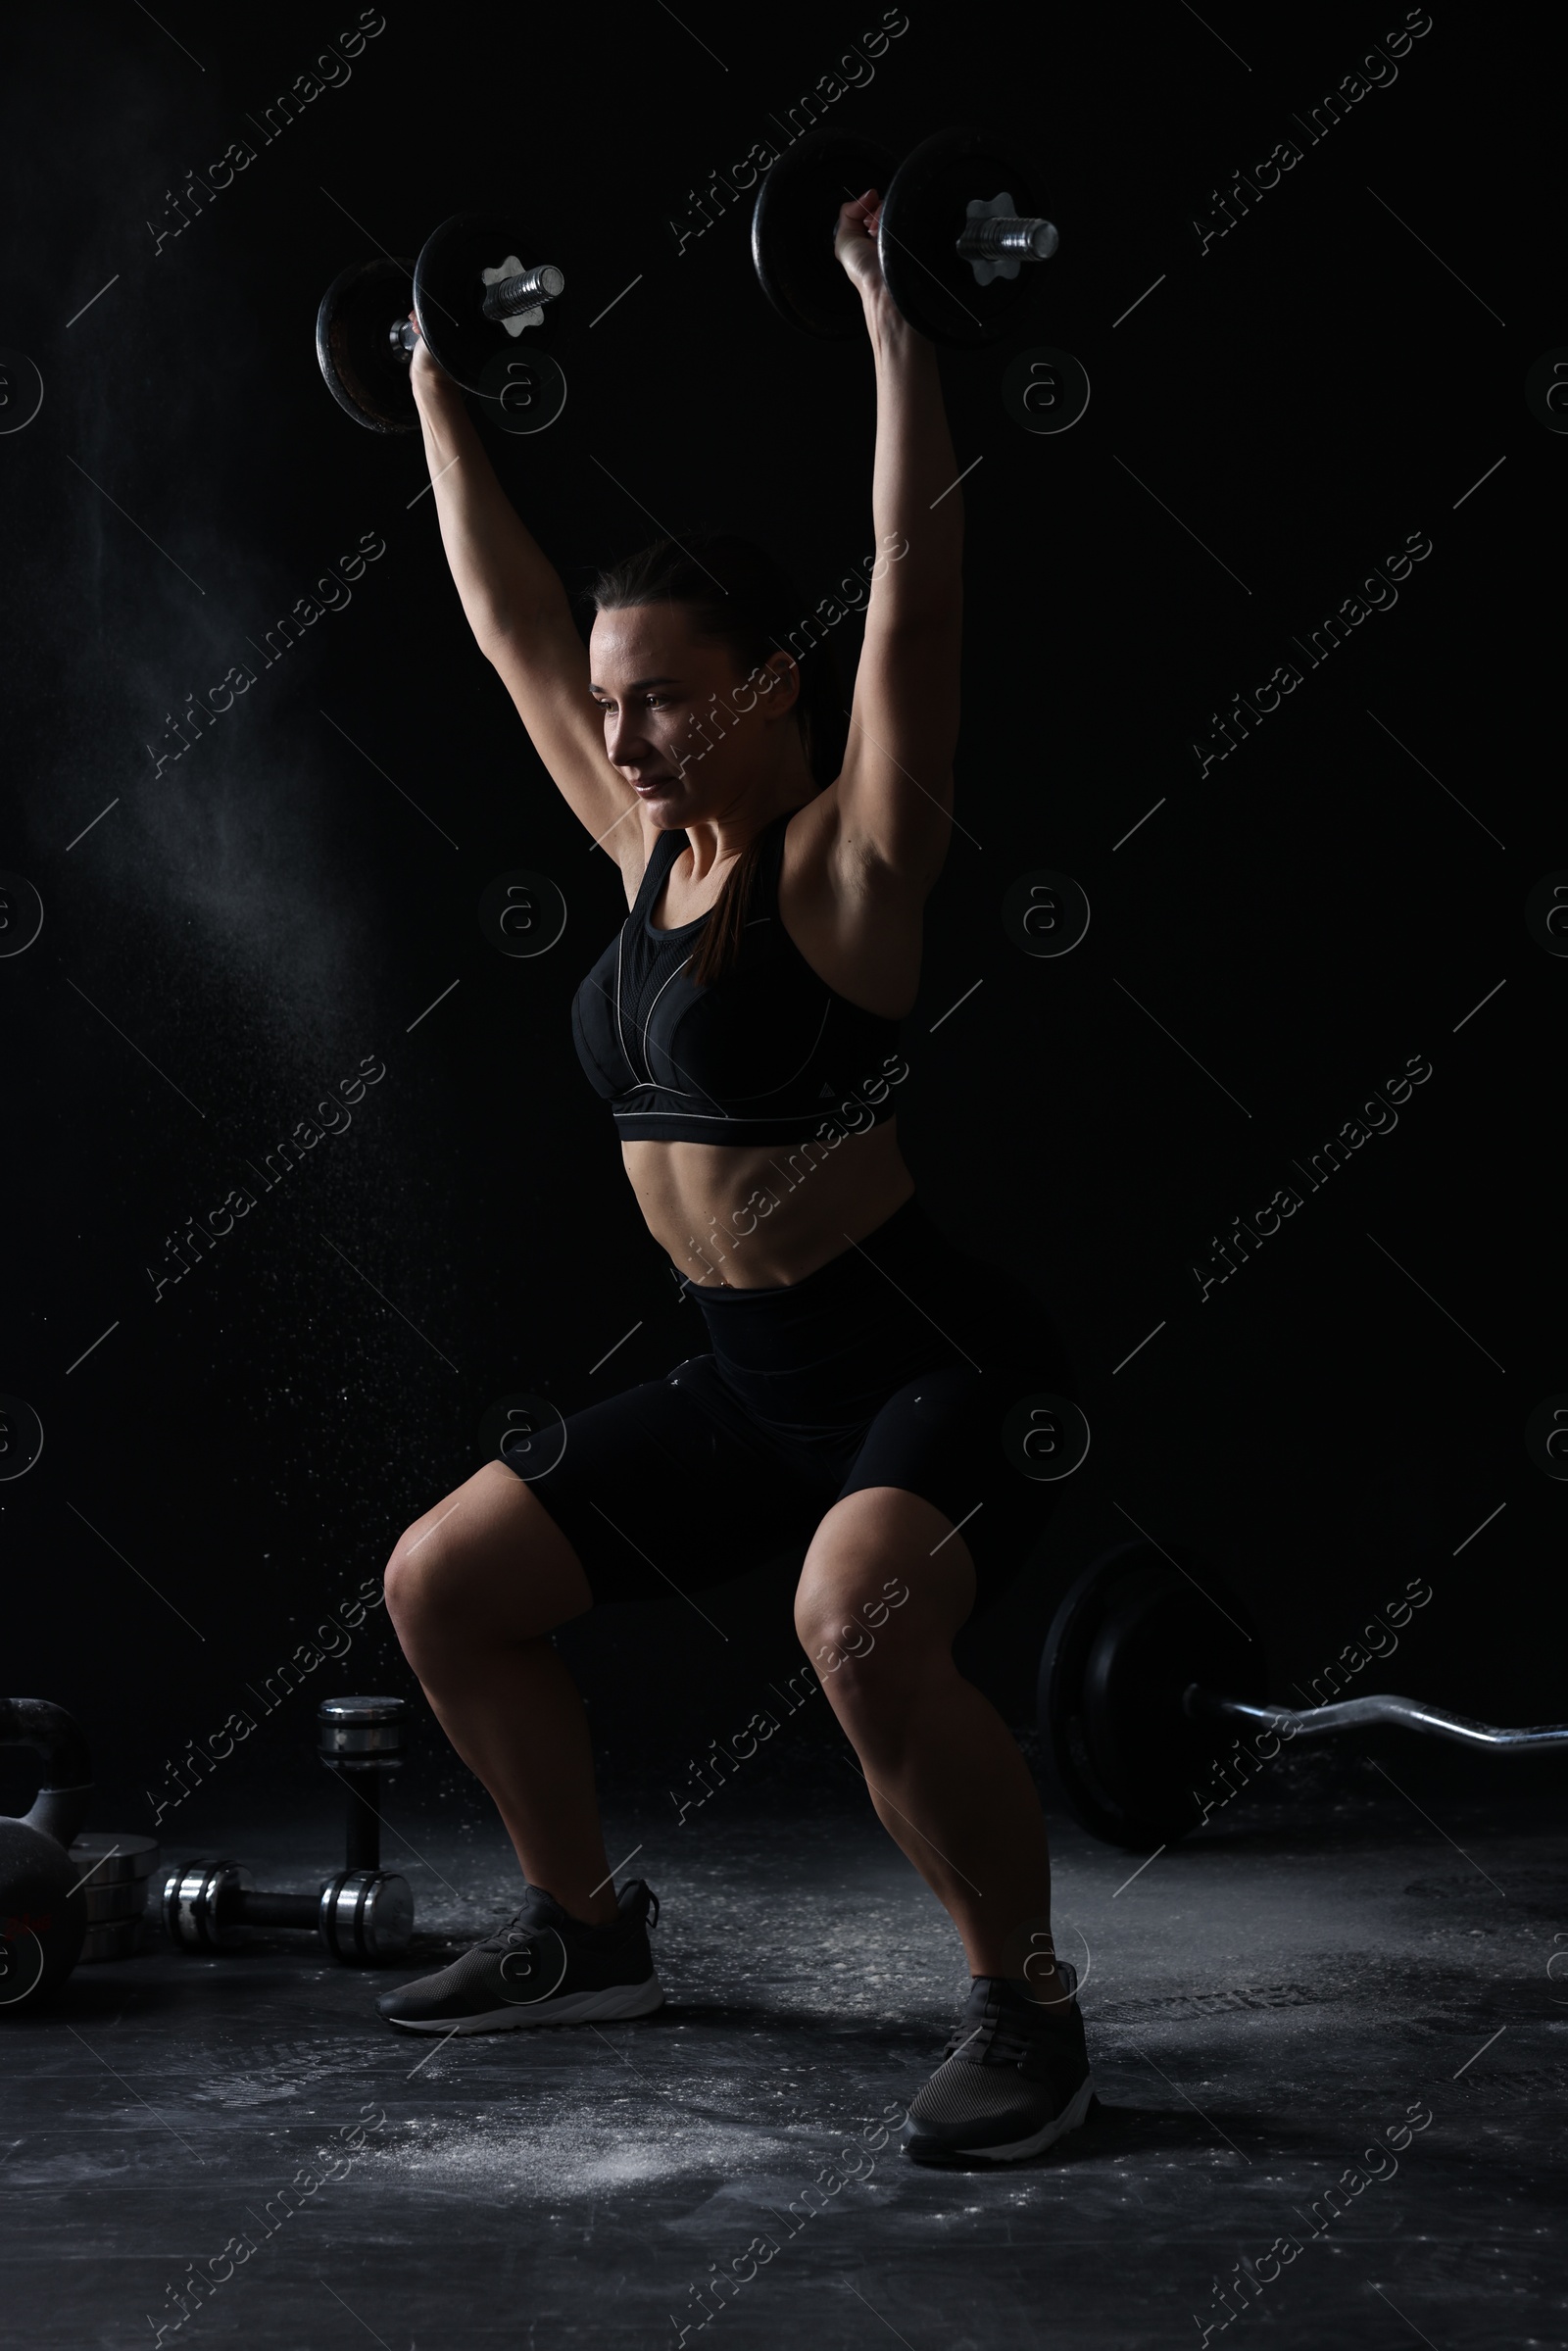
pixel 54 1736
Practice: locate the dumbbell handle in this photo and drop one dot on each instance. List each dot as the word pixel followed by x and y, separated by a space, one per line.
pixel 1005 233
pixel 1350 1714
pixel 249 1908
pixel 364 1787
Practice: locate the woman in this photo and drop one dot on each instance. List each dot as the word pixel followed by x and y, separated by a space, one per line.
pixel 861 1367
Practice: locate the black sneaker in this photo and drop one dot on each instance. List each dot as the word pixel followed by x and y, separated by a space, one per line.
pixel 543 1967
pixel 1015 2079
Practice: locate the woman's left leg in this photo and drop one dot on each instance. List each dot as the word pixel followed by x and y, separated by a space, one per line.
pixel 944 1773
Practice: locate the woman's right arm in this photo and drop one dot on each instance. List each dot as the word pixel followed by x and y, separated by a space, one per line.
pixel 517 609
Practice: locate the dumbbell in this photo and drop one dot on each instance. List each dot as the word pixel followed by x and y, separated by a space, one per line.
pixel 960 239
pixel 362 1913
pixel 1152 1668
pixel 471 296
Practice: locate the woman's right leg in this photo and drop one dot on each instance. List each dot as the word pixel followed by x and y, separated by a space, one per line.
pixel 473 1590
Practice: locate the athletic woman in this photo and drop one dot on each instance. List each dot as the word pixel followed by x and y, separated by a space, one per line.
pixel 744 1026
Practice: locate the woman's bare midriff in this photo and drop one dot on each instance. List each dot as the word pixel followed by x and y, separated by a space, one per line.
pixel 756 1217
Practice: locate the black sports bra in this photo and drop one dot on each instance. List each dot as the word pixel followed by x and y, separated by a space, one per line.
pixel 769 1054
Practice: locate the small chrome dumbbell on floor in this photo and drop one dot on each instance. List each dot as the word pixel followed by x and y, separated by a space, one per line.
pixel 362 1914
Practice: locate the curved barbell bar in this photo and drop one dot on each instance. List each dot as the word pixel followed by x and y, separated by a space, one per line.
pixel 1351 1714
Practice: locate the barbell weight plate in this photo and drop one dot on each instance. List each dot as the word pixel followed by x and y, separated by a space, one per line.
pixel 524 389
pixel 352 343
pixel 924 215
pixel 106 1903
pixel 450 287
pixel 793 223
pixel 1132 1634
pixel 111 1938
pixel 104 1859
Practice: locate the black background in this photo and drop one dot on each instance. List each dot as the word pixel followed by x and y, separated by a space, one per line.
pixel 228 942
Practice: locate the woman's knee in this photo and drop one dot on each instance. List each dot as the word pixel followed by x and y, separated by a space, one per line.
pixel 874 1653
pixel 885 1585
pixel 486 1563
pixel 421 1581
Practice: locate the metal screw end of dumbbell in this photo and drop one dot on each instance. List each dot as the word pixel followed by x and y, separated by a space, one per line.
pixel 1033 240
pixel 1008 236
pixel 526 291
pixel 996 240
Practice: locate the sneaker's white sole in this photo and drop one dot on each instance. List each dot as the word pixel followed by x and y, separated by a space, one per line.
pixel 1019 2149
pixel 616 2000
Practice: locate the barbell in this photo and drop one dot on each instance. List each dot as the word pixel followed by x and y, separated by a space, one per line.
pixel 960 237
pixel 361 1913
pixel 472 295
pixel 1151 1674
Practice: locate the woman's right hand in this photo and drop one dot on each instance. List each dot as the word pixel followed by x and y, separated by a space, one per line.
pixel 854 242
pixel 425 375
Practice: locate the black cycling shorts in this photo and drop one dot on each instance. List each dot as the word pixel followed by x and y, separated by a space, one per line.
pixel 896 1363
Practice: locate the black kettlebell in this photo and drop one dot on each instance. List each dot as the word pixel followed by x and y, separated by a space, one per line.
pixel 43 1911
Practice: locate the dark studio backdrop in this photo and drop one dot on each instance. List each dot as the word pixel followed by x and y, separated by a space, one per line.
pixel 1291 384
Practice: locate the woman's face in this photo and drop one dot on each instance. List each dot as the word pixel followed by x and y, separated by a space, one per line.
pixel 690 732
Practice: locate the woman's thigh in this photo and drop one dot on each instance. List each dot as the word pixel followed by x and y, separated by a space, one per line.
pixel 668 1488
pixel 486 1563
pixel 941 1437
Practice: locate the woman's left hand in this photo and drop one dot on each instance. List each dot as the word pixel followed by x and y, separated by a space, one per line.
pixel 855 241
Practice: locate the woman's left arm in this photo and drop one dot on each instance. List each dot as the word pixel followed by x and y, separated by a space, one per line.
pixel 896 790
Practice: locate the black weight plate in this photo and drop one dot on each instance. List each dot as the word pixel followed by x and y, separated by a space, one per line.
pixel 926 210
pixel 105 1859
pixel 449 291
pixel 105 1902
pixel 353 331
pixel 1128 1637
pixel 794 220
pixel 114 1938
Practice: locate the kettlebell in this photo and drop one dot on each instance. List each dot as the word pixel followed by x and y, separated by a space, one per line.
pixel 43 1911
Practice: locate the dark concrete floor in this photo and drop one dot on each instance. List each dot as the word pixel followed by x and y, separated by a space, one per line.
pixel 1324 1995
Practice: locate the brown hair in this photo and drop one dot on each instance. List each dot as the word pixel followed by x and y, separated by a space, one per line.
pixel 735 593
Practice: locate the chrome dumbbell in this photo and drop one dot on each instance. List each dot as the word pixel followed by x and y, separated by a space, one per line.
pixel 362 1914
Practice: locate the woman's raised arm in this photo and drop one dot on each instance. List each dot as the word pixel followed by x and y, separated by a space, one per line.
pixel 517 607
pixel 895 791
